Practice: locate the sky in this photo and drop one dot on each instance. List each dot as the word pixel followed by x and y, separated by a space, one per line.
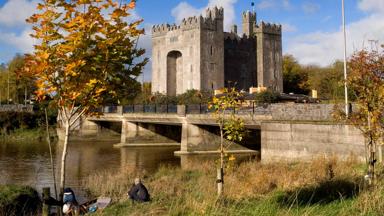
pixel 312 30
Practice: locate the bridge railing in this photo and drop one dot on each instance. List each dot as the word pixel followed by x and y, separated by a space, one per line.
pixel 152 108
pixel 252 108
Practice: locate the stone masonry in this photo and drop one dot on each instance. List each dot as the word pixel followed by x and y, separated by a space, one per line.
pixel 198 54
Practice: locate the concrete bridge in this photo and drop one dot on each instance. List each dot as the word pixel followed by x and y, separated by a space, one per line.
pixel 277 131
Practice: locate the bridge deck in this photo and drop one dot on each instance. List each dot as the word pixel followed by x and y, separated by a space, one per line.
pixel 251 121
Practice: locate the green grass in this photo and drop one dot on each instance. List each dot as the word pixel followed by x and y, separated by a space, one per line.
pixel 28 134
pixel 250 189
pixel 18 200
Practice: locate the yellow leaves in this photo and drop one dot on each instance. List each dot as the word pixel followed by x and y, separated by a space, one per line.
pixel 44 55
pixel 73 68
pixel 132 4
pixel 231 158
pixel 40 6
pixel 92 82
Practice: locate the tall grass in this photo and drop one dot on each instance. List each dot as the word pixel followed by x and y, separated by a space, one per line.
pixel 321 187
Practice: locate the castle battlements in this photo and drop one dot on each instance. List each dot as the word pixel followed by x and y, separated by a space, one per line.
pixel 268 28
pixel 197 53
pixel 213 15
pixel 248 16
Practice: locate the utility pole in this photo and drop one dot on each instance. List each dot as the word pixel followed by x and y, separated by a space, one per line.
pixel 345 62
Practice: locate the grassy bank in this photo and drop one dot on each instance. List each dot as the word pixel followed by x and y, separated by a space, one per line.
pixel 28 134
pixel 18 200
pixel 322 187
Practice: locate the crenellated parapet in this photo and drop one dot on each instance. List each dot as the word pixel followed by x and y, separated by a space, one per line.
pixel 214 13
pixel 188 23
pixel 210 21
pixel 268 28
pixel 248 16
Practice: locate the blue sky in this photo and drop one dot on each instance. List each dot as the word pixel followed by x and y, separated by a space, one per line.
pixel 311 28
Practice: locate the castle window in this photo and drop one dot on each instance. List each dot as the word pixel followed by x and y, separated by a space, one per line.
pixel 211 50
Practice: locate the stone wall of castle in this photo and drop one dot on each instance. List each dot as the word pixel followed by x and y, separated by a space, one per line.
pixel 240 62
pixel 269 56
pixel 197 54
pixel 189 55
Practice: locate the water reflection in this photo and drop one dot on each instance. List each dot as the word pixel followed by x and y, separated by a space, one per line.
pixel 147 159
pixel 28 163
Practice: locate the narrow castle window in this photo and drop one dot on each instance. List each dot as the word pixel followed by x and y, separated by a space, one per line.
pixel 211 50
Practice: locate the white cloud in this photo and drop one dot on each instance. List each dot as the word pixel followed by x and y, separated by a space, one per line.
pixel 288 27
pixel 274 4
pixel 310 7
pixel 323 48
pixel 14 12
pixel 23 42
pixel 184 10
pixel 326 19
pixel 266 4
pixel 371 5
pixel 145 42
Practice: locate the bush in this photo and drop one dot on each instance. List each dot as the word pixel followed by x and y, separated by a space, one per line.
pixel 19 200
pixel 189 97
pixel 268 96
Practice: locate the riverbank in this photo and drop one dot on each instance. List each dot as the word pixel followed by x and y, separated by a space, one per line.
pixel 34 134
pixel 322 187
pixel 19 200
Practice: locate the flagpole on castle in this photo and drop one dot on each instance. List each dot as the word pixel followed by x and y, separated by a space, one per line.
pixel 345 62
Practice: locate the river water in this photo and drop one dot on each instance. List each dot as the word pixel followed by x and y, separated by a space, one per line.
pixel 28 163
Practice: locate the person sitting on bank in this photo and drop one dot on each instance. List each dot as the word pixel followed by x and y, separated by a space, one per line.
pixel 70 204
pixel 138 192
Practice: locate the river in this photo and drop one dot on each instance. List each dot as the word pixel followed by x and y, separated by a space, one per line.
pixel 28 163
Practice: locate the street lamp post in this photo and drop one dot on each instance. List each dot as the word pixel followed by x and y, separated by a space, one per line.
pixel 345 62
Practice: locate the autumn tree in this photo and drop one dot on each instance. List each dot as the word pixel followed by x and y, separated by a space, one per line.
pixel 294 77
pixel 366 79
pixel 86 51
pixel 231 127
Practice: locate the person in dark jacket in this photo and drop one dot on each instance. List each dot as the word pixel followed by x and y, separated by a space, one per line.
pixel 138 192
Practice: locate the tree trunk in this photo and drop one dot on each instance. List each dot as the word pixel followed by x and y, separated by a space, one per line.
pixel 63 159
pixel 220 172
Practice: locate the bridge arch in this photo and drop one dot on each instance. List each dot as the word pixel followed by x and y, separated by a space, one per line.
pixel 174 72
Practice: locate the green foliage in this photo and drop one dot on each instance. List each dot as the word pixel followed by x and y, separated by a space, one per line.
pixel 301 79
pixel 294 77
pixel 11 121
pixel 268 96
pixel 194 97
pixel 20 85
pixel 190 97
pixel 18 200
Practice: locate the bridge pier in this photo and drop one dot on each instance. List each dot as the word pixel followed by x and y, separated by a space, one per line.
pixel 146 133
pixel 199 139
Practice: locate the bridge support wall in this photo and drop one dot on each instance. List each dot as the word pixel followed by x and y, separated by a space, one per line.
pixel 304 141
pixel 203 138
pixel 136 132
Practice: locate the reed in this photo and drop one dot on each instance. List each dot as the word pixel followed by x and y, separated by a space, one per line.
pixel 325 186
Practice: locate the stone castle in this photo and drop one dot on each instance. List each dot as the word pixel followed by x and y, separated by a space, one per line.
pixel 198 54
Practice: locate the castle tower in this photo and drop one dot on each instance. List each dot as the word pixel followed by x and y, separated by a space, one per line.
pixel 269 56
pixel 212 52
pixel 189 55
pixel 249 23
